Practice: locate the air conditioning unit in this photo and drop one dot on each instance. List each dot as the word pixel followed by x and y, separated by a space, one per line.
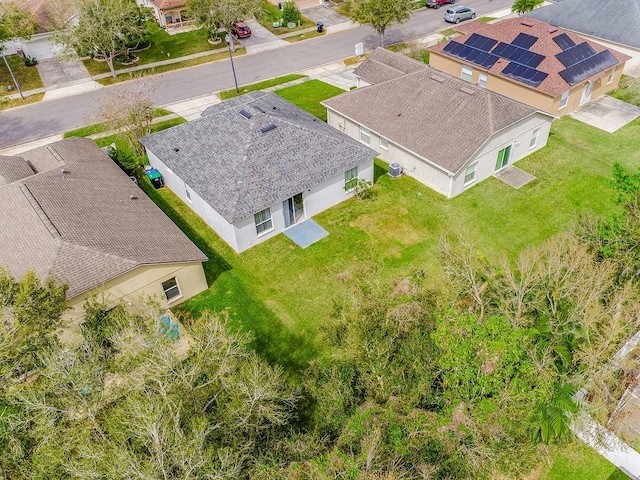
pixel 395 170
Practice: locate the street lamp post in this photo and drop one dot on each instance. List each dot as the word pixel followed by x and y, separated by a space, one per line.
pixel 229 41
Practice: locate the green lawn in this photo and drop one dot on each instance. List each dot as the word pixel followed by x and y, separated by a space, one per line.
pixel 101 127
pixel 308 96
pixel 271 13
pixel 576 461
pixel 27 77
pixel 628 90
pixel 163 47
pixel 226 94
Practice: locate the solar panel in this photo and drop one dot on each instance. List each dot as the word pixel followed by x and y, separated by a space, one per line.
pixel 531 59
pixel 471 54
pixel 524 74
pixel 590 66
pixel 524 41
pixel 576 54
pixel 564 41
pixel 480 42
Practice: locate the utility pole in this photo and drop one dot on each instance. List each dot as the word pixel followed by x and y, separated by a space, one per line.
pixel 229 41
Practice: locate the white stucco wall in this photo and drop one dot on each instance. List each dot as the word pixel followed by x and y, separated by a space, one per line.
pixel 242 234
pixel 518 136
pixel 435 177
pixel 197 204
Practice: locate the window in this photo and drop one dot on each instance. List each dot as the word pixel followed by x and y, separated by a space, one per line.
pixel 482 80
pixel 187 193
pixel 611 75
pixel 534 139
pixel 348 176
pixel 384 144
pixel 467 73
pixel 365 135
pixel 263 221
pixel 564 99
pixel 171 289
pixel 470 174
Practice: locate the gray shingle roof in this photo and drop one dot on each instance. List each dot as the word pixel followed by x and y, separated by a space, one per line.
pixel 617 21
pixel 383 65
pixel 84 228
pixel 239 170
pixel 436 120
pixel 12 169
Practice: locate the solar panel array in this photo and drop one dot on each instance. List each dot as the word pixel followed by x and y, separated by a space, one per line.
pixel 480 42
pixel 590 66
pixel 524 74
pixel 564 41
pixel 576 54
pixel 518 55
pixel 471 54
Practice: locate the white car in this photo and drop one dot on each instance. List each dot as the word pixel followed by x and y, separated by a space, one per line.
pixel 458 13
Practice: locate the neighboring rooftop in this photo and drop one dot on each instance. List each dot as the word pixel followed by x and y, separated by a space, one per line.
pixel 435 115
pixel 532 53
pixel 617 22
pixel 168 4
pixel 252 151
pixel 76 220
pixel 383 65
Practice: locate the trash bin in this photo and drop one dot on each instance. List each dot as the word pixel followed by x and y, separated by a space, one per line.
pixel 320 27
pixel 155 177
pixel 280 5
pixel 20 52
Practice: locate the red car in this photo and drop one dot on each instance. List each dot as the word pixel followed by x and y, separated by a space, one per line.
pixel 239 29
pixel 436 3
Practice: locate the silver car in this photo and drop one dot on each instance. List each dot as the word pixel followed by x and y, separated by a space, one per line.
pixel 458 13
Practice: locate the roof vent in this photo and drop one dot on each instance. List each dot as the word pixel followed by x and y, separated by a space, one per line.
pixel 437 78
pixel 468 91
pixel 526 23
pixel 245 114
pixel 176 149
pixel 268 128
pixel 552 30
pixel 257 108
pixel 132 197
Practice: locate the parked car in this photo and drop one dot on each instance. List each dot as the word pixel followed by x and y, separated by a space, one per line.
pixel 458 13
pixel 436 3
pixel 239 29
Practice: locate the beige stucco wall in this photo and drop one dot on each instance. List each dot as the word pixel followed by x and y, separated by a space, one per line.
pixel 524 94
pixel 143 282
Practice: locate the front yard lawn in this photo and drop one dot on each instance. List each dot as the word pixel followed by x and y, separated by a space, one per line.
pixel 272 82
pixel 308 96
pixel 27 77
pixel 271 13
pixel 163 47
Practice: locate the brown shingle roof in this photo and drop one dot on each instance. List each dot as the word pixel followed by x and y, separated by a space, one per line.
pixel 168 4
pixel 12 169
pixel 383 65
pixel 434 119
pixel 84 228
pixel 507 30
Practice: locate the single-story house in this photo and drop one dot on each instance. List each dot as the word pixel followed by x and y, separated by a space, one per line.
pixel 168 13
pixel 68 212
pixel 383 65
pixel 443 131
pixel 256 165
pixel 534 62
pixel 40 45
pixel 612 25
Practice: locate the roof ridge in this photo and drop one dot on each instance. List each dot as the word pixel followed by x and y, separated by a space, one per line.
pixel 39 211
pixel 243 165
pixel 87 248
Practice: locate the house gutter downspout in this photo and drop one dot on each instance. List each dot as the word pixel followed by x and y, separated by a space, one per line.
pixel 450 184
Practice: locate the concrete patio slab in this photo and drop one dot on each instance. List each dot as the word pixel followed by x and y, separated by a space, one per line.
pixel 606 113
pixel 514 177
pixel 306 233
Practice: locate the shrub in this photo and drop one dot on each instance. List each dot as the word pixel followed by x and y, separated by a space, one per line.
pixel 128 162
pixel 290 13
pixel 30 61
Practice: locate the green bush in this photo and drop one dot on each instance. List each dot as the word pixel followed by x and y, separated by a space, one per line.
pixel 30 61
pixel 290 13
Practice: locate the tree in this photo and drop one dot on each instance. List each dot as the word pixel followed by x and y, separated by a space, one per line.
pixel 130 114
pixel 524 6
pixel 216 14
pixel 14 23
pixel 381 14
pixel 102 29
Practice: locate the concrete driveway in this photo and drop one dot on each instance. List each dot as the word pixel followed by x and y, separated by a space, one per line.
pixel 261 39
pixel 56 72
pixel 606 113
pixel 326 14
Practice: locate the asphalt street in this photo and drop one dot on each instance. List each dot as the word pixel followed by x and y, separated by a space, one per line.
pixel 56 116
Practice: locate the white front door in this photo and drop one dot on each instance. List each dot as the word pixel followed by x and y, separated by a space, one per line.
pixel 586 93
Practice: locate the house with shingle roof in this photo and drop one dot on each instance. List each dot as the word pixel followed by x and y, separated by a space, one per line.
pixel 383 65
pixel 68 212
pixel 256 165
pixel 534 62
pixel 168 13
pixel 443 131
